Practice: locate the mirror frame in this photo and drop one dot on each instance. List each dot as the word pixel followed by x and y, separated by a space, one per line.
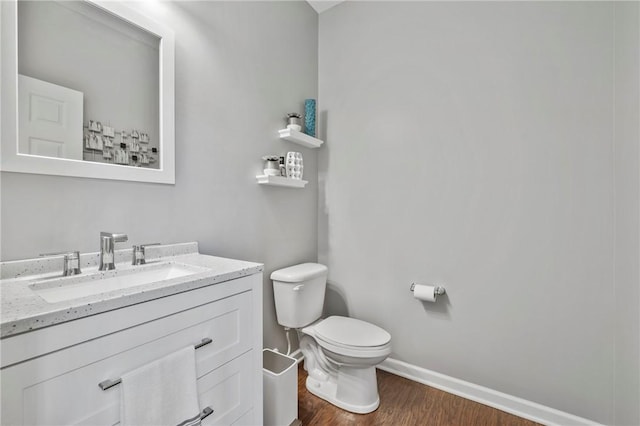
pixel 11 160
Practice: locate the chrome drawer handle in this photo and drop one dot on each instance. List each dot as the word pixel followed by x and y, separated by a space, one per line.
pixel 204 342
pixel 106 384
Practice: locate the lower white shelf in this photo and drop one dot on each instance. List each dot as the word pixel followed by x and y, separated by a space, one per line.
pixel 280 181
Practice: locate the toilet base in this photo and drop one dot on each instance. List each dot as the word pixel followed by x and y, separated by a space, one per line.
pixel 354 389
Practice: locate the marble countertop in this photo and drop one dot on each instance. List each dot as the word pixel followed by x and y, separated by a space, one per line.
pixel 22 309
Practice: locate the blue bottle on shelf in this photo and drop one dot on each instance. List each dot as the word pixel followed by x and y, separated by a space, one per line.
pixel 310 117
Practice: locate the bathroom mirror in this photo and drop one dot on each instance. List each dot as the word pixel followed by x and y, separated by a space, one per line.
pixel 87 91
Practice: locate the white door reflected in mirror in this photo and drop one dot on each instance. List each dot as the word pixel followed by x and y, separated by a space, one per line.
pixel 50 119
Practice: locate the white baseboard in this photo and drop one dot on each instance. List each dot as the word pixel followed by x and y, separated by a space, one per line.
pixel 502 401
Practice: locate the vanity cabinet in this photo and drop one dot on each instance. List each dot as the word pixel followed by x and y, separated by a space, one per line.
pixel 50 376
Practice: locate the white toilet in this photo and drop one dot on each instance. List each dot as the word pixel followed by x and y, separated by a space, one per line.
pixel 340 353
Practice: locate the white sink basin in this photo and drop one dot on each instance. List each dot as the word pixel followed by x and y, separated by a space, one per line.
pixel 75 287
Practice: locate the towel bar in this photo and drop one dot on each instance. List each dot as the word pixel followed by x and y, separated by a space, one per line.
pixel 206 413
pixel 106 384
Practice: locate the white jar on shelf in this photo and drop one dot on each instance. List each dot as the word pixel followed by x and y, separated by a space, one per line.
pixel 271 165
pixel 293 121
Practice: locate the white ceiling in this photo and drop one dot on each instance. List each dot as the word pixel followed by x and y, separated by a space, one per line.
pixel 322 5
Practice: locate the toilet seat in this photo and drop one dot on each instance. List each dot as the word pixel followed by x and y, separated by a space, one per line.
pixel 351 337
pixel 351 332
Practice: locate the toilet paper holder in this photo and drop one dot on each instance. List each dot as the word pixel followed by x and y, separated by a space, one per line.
pixel 439 290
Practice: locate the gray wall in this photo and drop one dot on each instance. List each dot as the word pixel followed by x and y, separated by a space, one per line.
pixel 627 213
pixel 468 143
pixel 472 144
pixel 240 67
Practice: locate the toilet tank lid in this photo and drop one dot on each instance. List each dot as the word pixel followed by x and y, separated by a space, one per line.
pixel 297 273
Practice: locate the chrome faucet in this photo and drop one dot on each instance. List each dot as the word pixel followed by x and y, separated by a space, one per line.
pixel 107 243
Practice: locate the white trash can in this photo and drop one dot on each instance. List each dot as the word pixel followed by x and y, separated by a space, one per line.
pixel 280 388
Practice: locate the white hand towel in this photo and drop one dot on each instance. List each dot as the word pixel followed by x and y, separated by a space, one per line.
pixel 163 392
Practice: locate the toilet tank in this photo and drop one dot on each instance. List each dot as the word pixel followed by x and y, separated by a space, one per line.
pixel 299 294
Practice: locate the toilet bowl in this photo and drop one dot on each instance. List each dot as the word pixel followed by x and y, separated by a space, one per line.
pixel 343 371
pixel 340 353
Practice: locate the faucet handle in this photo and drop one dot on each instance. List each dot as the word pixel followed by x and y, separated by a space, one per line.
pixel 71 265
pixel 139 253
pixel 117 237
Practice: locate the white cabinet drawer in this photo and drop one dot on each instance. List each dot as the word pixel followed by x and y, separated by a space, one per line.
pixel 226 390
pixel 62 388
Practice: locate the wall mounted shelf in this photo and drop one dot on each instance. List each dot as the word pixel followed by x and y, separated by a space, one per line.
pixel 300 138
pixel 280 181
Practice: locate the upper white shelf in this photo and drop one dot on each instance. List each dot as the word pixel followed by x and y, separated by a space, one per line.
pixel 300 138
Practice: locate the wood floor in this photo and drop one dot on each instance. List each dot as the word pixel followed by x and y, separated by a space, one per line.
pixel 403 403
